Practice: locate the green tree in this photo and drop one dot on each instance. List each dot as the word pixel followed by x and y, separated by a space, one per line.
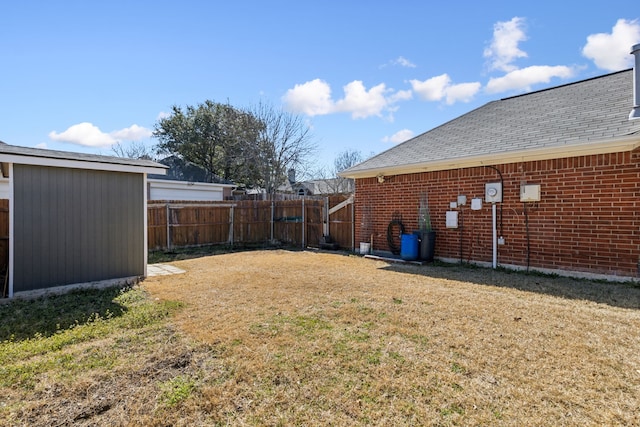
pixel 254 147
pixel 217 137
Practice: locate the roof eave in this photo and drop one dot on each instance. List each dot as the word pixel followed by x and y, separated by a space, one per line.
pixel 82 164
pixel 613 145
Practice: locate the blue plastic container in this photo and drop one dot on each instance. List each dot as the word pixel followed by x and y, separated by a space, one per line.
pixel 409 247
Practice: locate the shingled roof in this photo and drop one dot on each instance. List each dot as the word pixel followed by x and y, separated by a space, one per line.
pixel 586 117
pixel 28 155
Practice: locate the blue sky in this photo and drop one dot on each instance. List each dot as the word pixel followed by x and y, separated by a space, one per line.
pixel 83 75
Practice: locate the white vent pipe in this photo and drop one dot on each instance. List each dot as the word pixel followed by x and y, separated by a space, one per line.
pixel 635 113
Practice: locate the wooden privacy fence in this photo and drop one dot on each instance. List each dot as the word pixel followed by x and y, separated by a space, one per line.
pixel 301 222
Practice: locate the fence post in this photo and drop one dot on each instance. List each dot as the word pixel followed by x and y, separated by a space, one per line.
pixel 353 227
pixel 272 218
pixel 304 225
pixel 168 228
pixel 326 230
pixel 231 221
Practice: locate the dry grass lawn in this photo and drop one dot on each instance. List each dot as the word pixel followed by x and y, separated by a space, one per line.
pixel 306 338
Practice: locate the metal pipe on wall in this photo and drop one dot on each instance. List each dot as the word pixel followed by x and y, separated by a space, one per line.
pixel 495 235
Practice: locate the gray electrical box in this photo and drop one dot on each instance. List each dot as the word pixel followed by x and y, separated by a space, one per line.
pixel 493 192
pixel 529 192
pixel 452 219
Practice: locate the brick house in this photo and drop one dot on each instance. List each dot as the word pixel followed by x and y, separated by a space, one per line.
pixel 565 162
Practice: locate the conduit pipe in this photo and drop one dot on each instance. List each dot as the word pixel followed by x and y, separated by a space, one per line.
pixel 495 235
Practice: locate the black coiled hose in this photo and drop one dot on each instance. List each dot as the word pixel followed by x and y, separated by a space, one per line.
pixel 395 249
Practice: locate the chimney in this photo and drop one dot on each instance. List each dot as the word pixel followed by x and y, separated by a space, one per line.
pixel 291 174
pixel 635 113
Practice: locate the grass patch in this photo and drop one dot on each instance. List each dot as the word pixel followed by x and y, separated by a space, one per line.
pixel 46 316
pixel 63 341
pixel 307 338
pixel 177 390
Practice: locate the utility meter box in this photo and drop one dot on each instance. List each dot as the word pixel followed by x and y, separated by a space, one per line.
pixel 452 219
pixel 493 192
pixel 529 192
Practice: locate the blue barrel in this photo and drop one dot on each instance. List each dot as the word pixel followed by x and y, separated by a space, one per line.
pixel 409 247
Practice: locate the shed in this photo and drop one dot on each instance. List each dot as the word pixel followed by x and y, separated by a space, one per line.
pixel 74 218
pixel 565 166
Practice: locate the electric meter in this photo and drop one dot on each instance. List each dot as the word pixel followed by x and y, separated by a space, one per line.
pixel 493 192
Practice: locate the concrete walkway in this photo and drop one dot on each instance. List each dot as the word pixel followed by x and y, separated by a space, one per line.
pixel 162 270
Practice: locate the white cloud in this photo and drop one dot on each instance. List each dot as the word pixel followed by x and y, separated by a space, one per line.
pixel 403 62
pixel 399 136
pixel 314 98
pixel 522 79
pixel 89 135
pixel 503 49
pixel 85 134
pixel 360 102
pixel 399 61
pixel 42 145
pixel 611 51
pixel 439 87
pixel 311 98
pixel 432 89
pixel 401 95
pixel 463 92
pixel 132 133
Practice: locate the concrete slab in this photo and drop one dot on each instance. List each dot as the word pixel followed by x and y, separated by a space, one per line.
pixel 162 270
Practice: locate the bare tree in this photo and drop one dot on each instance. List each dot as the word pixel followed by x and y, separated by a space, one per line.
pixel 133 150
pixel 344 160
pixel 284 142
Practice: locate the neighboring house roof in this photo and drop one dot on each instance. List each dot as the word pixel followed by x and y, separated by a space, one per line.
pixel 43 157
pixel 331 186
pixel 319 186
pixel 182 170
pixel 586 117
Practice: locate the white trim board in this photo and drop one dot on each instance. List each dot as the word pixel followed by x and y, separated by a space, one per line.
pixel 80 164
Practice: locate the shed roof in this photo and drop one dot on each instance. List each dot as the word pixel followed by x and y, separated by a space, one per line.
pixel 44 157
pixel 586 117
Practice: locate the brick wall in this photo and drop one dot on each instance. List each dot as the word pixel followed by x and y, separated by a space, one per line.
pixel 587 220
